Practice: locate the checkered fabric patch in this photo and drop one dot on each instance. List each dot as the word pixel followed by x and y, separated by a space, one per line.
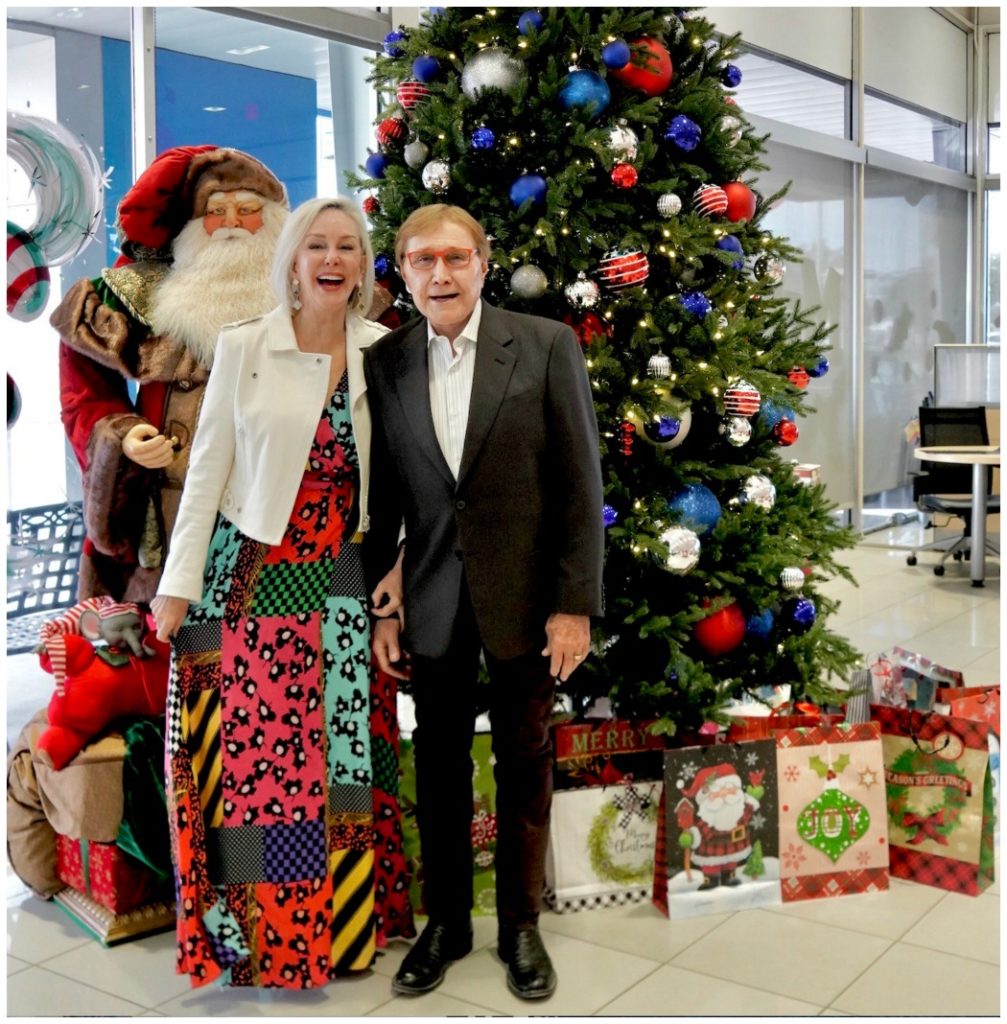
pixel 173 714
pixel 199 636
pixel 289 589
pixel 235 854
pixel 295 852
pixel 833 883
pixel 385 765
pixel 348 573
pixel 345 798
pixel 940 872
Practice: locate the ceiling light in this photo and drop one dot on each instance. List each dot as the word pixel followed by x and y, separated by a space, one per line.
pixel 244 51
pixel 214 110
pixel 70 12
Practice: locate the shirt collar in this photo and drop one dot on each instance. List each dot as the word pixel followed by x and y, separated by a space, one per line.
pixel 470 332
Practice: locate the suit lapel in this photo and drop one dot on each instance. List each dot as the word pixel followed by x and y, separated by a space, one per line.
pixel 494 366
pixel 412 383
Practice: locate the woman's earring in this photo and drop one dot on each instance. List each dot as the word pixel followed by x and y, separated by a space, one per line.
pixel 295 294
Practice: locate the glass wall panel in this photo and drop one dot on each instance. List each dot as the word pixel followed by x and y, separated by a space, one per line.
pixel 816 217
pixel 913 133
pixel 915 294
pixel 994 256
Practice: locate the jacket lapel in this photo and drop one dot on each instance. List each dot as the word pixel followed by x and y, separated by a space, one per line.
pixel 494 365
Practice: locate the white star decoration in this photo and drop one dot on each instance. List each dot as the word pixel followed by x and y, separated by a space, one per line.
pixel 868 777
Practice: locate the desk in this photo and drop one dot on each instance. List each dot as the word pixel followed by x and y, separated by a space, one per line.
pixel 977 456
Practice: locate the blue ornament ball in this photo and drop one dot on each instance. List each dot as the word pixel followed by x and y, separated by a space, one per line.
pixel 528 186
pixel 799 613
pixel 759 625
pixel 770 414
pixel 585 89
pixel 391 41
pixel 663 430
pixel 684 132
pixel 608 515
pixel 820 369
pixel 376 165
pixel 731 75
pixel 696 303
pixel 382 266
pixel 483 138
pixel 426 68
pixel 530 21
pixel 616 55
pixel 730 244
pixel 697 506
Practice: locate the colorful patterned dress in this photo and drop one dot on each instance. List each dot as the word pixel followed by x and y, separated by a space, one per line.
pixel 282 753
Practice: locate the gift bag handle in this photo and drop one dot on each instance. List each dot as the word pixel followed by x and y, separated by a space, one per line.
pixel 914 736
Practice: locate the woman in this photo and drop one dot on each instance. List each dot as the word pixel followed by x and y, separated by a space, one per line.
pixel 275 807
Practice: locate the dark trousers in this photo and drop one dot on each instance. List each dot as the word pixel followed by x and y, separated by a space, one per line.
pixel 521 701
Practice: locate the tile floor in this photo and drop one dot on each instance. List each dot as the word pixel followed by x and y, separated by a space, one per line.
pixel 912 951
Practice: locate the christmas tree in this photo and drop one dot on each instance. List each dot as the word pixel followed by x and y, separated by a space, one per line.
pixel 603 152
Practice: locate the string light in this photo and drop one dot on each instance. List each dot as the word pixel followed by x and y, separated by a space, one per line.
pixel 635 381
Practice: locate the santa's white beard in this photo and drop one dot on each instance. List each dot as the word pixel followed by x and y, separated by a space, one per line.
pixel 216 280
pixel 723 815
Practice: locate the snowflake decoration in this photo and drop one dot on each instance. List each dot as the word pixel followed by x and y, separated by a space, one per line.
pixel 863 858
pixel 758 821
pixel 751 759
pixel 689 769
pixel 793 773
pixel 106 178
pixel 868 777
pixel 793 857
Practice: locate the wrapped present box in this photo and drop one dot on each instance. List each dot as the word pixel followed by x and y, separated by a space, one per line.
pixel 807 473
pixel 602 753
pixel 105 873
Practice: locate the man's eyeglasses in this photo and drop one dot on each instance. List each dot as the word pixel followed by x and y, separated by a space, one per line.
pixel 425 259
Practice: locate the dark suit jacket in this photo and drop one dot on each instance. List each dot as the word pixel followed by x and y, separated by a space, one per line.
pixel 524 517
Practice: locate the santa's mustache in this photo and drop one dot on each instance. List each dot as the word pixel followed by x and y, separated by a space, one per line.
pixel 224 233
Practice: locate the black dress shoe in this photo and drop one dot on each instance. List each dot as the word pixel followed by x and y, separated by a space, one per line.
pixel 427 962
pixel 530 973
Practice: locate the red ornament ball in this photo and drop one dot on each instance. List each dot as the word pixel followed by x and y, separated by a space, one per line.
pixel 587 327
pixel 799 377
pixel 742 399
pixel 623 268
pixel 649 72
pixel 411 94
pixel 390 130
pixel 740 201
pixel 624 176
pixel 370 206
pixel 785 433
pixel 722 631
pixel 710 200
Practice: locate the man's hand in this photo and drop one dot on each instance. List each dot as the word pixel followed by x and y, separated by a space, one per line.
pixel 169 614
pixel 387 649
pixel 568 641
pixel 148 447
pixel 387 597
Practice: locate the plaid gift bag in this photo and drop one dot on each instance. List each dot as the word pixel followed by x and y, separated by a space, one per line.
pixel 941 815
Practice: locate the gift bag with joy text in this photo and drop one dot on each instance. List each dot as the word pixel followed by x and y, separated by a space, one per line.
pixel 941 815
pixel 833 817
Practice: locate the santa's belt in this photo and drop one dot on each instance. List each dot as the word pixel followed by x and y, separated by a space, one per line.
pixel 738 833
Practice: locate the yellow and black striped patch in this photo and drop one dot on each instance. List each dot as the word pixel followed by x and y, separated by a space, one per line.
pixel 201 736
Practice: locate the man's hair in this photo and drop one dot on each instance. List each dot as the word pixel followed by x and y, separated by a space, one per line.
pixel 429 217
pixel 294 232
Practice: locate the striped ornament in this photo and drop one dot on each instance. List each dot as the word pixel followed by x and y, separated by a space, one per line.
pixel 623 268
pixel 27 275
pixel 710 200
pixel 411 94
pixel 391 130
pixel 741 399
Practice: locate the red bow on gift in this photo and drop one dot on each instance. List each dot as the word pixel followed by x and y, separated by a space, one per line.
pixel 927 826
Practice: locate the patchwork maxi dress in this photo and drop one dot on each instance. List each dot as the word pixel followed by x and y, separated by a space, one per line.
pixel 282 753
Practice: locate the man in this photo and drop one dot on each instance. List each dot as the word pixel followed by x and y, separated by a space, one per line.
pixel 486 448
pixel 198 231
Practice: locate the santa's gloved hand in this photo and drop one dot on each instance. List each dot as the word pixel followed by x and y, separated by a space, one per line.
pixel 756 792
pixel 685 840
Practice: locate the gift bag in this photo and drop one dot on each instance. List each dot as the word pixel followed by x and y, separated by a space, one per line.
pixel 905 679
pixel 601 846
pixel 940 799
pixel 718 831
pixel 600 753
pixel 833 817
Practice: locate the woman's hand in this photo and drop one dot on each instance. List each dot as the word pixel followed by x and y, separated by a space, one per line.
pixel 148 447
pixel 169 614
pixel 387 597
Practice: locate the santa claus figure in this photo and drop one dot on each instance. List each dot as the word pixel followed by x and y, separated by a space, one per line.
pixel 197 230
pixel 715 831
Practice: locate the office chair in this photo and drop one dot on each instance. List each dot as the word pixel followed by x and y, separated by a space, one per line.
pixel 946 488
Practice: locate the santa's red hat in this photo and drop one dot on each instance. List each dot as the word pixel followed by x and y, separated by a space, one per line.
pixel 705 776
pixel 174 189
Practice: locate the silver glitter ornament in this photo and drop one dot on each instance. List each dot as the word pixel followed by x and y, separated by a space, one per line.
pixel 775 269
pixel 528 282
pixel 732 125
pixel 583 293
pixel 669 204
pixel 737 430
pixel 416 154
pixel 622 141
pixel 683 550
pixel 492 68
pixel 437 176
pixel 759 490
pixel 792 578
pixel 659 365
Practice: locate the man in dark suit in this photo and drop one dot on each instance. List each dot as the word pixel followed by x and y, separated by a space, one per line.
pixel 486 448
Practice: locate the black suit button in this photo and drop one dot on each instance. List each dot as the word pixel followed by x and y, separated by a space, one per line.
pixel 460 505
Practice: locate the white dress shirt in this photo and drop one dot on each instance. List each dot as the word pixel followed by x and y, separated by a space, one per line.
pixel 451 374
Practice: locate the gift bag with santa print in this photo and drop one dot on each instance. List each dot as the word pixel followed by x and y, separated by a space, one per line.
pixel 941 814
pixel 718 835
pixel 833 818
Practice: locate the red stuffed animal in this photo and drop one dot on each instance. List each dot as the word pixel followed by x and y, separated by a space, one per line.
pixel 99 685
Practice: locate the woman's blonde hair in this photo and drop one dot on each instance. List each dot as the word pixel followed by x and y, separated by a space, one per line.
pixel 293 234
pixel 427 217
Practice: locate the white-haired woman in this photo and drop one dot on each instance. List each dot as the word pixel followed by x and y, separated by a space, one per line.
pixel 269 749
